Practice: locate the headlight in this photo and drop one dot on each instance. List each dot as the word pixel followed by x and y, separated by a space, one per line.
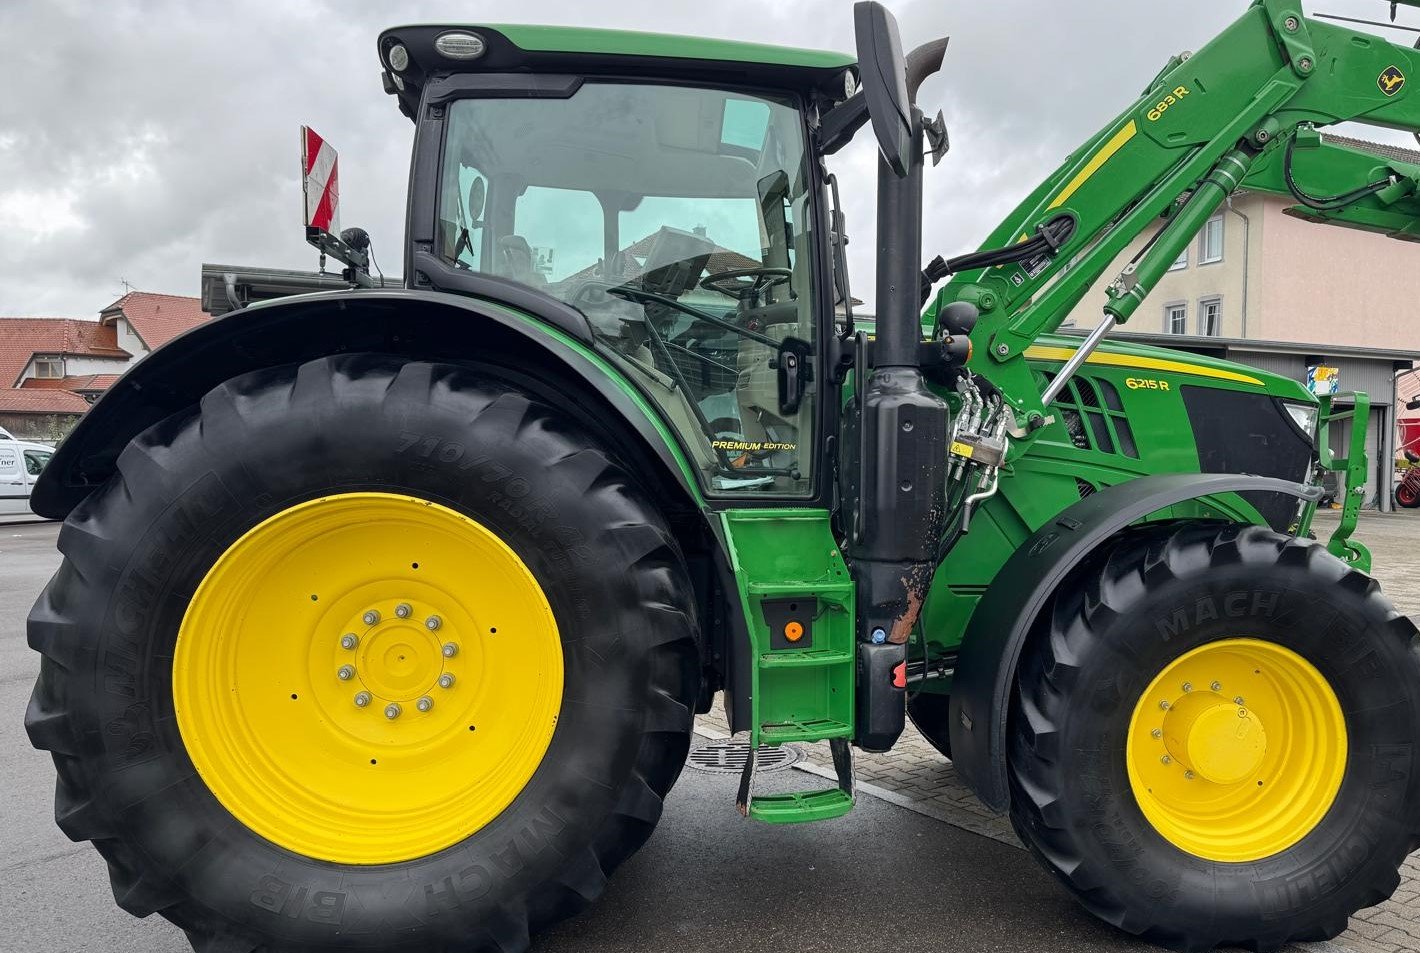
pixel 1304 416
pixel 460 45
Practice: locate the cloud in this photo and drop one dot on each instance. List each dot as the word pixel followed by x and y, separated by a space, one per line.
pixel 139 138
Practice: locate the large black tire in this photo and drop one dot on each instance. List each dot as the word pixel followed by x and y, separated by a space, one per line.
pixel 185 489
pixel 1105 641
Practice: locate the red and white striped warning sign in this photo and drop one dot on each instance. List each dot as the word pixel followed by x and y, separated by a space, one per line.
pixel 320 180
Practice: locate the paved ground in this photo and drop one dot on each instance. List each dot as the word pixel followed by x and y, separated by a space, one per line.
pixel 708 880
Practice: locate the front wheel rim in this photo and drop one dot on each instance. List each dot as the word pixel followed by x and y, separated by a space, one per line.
pixel 1237 750
pixel 367 678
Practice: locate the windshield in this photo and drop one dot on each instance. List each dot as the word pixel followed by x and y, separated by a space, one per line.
pixel 677 220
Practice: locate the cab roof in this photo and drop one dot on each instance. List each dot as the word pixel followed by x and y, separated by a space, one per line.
pixel 512 48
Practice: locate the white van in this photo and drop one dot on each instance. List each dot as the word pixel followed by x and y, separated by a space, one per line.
pixel 20 465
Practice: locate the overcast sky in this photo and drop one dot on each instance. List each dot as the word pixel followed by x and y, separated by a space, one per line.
pixel 140 138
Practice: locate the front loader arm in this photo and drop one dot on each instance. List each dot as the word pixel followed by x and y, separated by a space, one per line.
pixel 1235 115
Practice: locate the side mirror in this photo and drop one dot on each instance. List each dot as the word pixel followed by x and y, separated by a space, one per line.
pixel 882 71
pixel 477 193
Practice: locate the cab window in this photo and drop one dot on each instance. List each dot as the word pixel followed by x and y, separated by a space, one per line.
pixel 677 220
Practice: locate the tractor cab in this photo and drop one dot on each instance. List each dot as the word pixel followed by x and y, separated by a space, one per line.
pixel 677 211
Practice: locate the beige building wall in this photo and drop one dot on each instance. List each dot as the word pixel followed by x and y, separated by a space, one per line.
pixel 1338 285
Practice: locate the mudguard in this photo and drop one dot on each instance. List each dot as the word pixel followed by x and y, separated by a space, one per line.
pixel 991 648
pixel 548 350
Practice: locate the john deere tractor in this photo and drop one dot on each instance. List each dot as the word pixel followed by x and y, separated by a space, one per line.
pixel 385 613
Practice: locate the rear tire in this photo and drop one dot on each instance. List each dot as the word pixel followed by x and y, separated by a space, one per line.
pixel 138 548
pixel 1085 679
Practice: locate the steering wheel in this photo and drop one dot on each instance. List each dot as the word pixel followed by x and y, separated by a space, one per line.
pixel 632 293
pixel 746 284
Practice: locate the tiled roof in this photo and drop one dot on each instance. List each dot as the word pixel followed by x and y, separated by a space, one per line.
pixel 90 382
pixel 1398 153
pixel 157 318
pixel 27 401
pixel 22 338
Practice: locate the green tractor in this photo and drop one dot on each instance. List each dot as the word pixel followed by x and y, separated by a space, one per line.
pixel 385 613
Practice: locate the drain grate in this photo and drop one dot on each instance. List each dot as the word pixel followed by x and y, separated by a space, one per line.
pixel 729 757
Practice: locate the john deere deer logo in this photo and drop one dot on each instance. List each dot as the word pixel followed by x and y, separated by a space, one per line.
pixel 1391 81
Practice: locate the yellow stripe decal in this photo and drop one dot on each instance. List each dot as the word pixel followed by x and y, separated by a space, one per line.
pixel 1104 155
pixel 1040 352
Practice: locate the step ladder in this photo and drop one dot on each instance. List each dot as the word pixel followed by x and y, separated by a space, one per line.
pixel 798 600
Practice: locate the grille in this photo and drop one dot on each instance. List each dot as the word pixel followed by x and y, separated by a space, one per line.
pixel 730 757
pixel 1094 416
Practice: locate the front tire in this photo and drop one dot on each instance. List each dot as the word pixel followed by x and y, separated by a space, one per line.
pixel 1213 740
pixel 247 536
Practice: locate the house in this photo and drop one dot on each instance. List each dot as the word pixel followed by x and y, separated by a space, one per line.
pixel 52 369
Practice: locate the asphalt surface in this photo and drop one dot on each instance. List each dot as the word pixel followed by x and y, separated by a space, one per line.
pixel 882 878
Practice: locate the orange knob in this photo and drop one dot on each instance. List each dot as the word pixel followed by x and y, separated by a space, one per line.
pixel 793 631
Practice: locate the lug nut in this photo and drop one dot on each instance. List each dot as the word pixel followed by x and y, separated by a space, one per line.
pixel 403 610
pixel 1166 759
pixel 393 711
pixel 1238 701
pixel 450 649
pixel 1157 733
pixel 433 622
pixel 1216 686
pixel 346 673
pixel 446 680
pixel 362 699
pixel 349 640
pixel 1165 705
pixel 372 617
pixel 1188 775
pixel 425 703
pixel 1187 687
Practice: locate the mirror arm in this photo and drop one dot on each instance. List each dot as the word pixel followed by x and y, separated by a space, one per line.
pixel 841 123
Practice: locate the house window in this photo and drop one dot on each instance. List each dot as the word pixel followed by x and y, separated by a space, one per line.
pixel 1210 317
pixel 1210 242
pixel 1176 319
pixel 1181 262
pixel 49 367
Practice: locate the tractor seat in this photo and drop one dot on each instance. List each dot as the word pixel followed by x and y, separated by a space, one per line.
pixel 515 261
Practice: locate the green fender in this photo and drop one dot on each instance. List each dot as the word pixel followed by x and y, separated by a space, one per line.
pixel 547 352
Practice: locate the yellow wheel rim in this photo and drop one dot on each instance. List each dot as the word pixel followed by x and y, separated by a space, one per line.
pixel 367 678
pixel 1237 749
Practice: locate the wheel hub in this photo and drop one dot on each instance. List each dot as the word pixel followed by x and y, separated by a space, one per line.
pixel 400 660
pixel 1214 737
pixel 1236 750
